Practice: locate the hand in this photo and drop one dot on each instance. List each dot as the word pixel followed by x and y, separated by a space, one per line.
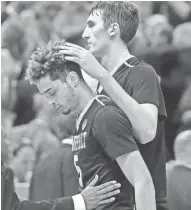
pixel 99 195
pixel 84 58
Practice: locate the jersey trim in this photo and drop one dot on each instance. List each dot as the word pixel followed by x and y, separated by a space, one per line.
pixel 78 121
pixel 128 62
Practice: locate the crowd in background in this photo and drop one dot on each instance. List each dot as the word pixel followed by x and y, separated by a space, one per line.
pixel 36 141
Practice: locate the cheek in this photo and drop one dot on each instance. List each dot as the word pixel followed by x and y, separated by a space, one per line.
pixel 98 33
pixel 64 97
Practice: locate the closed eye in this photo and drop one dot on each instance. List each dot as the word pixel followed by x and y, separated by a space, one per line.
pixel 51 93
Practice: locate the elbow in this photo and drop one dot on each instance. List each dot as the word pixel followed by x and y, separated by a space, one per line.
pixel 149 133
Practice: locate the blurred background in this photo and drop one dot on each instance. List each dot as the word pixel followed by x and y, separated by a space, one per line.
pixel 36 141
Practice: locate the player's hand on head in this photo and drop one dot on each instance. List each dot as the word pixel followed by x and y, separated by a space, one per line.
pixel 95 196
pixel 82 57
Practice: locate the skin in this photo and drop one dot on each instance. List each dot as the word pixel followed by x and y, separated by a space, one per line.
pixel 142 116
pixel 96 36
pixel 102 42
pixel 58 94
pixel 65 94
pixel 142 182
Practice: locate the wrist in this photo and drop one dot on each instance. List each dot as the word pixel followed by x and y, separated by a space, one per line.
pixel 103 76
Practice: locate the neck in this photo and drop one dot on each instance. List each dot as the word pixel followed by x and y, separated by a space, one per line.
pixel 115 55
pixel 42 118
pixel 85 96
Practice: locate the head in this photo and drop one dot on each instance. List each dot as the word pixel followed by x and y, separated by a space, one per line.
pixel 110 22
pixel 182 146
pixel 158 30
pixel 181 39
pixel 57 79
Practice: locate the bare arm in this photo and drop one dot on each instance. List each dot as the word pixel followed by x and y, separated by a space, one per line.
pixel 143 117
pixel 136 172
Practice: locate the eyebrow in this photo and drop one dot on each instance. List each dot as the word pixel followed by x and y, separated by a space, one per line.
pixel 90 21
pixel 46 91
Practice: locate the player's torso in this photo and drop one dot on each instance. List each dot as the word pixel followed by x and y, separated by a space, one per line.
pixel 90 159
pixel 156 161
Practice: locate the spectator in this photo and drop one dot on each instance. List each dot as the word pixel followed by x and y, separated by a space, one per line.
pixel 177 79
pixel 22 162
pixel 181 75
pixel 179 174
pixel 8 88
pixel 183 113
pixel 39 130
pixel 55 175
pixel 158 30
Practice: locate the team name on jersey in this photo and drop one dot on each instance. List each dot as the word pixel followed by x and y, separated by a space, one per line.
pixel 79 141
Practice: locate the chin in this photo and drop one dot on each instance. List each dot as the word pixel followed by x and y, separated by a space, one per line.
pixel 66 112
pixel 94 52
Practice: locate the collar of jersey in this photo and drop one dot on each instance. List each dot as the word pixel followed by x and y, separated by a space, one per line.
pixel 79 119
pixel 115 69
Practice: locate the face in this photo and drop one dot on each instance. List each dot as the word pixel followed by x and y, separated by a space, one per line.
pixel 59 94
pixel 96 35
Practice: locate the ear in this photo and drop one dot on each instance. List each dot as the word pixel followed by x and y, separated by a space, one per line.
pixel 72 79
pixel 113 29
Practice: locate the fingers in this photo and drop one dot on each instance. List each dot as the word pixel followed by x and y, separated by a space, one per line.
pixel 107 184
pixel 109 188
pixel 73 59
pixel 68 45
pixel 94 181
pixel 109 194
pixel 74 46
pixel 109 200
pixel 69 51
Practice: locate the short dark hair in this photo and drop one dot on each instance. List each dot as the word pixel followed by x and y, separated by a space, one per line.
pixel 126 14
pixel 50 62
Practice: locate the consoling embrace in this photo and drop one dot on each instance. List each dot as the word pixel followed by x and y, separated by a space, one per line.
pixel 119 133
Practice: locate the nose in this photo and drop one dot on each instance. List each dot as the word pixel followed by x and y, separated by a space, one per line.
pixel 85 34
pixel 52 102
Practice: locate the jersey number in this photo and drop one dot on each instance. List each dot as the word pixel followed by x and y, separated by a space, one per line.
pixel 78 169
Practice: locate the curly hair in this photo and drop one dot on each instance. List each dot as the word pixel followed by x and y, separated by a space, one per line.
pixel 126 14
pixel 50 62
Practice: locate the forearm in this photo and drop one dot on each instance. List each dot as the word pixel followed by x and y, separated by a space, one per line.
pixel 141 120
pixel 135 170
pixel 145 195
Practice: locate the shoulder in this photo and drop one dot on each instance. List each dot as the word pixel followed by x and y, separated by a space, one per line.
pixel 110 115
pixel 143 70
pixel 143 74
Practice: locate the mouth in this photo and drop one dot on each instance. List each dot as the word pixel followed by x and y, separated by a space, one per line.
pixel 57 107
pixel 89 43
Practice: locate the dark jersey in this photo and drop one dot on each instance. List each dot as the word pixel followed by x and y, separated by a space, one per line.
pixel 104 134
pixel 141 82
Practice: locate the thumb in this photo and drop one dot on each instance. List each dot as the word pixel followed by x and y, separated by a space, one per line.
pixel 94 181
